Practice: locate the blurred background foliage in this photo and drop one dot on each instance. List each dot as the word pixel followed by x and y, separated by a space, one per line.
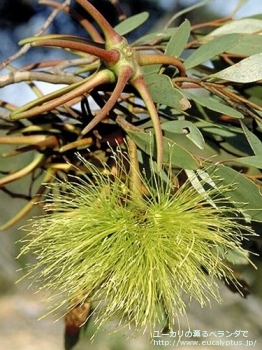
pixel 19 309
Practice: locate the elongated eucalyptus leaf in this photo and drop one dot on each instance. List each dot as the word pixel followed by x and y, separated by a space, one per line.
pixel 246 71
pixel 255 161
pixel 214 105
pixel 190 8
pixel 217 129
pixel 198 185
pixel 173 153
pixel 249 45
pixel 151 69
pixel 253 140
pixel 178 41
pixel 188 129
pixel 162 91
pixel 164 35
pixel 131 23
pixel 244 25
pixel 211 49
pixel 245 191
pixel 206 178
pixel 240 4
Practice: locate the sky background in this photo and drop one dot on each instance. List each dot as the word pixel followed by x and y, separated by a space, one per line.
pixel 223 6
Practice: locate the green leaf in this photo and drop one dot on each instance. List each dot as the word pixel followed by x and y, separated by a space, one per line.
pixel 253 140
pixel 231 139
pixel 246 71
pixel 234 257
pixel 219 130
pixel 242 26
pixel 249 45
pixel 245 190
pixel 151 69
pixel 214 105
pixel 164 35
pixel 173 153
pixel 255 161
pixel 186 128
pixel 131 23
pixel 211 49
pixel 240 4
pixel 253 92
pixel 198 185
pixel 162 91
pixel 178 41
pixel 190 8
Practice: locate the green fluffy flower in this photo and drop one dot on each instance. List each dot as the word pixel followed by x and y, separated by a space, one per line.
pixel 136 258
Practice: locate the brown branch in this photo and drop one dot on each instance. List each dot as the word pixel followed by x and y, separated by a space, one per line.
pixel 21 140
pixel 15 195
pixel 39 65
pixel 216 23
pixel 5 115
pixel 59 68
pixel 45 104
pixel 91 30
pixel 87 142
pixel 48 178
pixel 126 126
pixel 19 77
pixel 144 59
pixel 119 9
pixel 13 176
pixel 236 101
pixel 50 141
pixel 26 47
pixel 111 56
